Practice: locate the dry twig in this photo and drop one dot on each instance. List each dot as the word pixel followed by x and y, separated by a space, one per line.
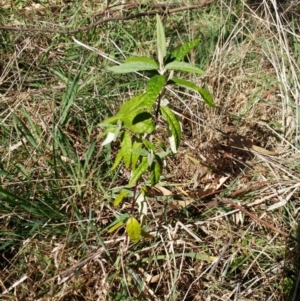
pixel 159 9
pixel 255 218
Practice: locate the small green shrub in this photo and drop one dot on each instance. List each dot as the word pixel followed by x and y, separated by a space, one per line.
pixel 135 123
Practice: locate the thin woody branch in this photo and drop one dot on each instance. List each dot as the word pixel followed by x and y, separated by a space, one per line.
pixel 160 10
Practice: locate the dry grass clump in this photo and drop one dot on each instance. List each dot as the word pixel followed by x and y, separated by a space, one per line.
pixel 57 189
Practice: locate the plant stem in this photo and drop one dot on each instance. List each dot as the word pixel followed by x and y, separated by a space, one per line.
pixel 134 197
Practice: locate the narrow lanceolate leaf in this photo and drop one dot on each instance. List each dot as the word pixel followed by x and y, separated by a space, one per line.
pixel 135 113
pixel 140 170
pixel 161 41
pixel 117 223
pixel 134 66
pixel 155 86
pixel 174 127
pixel 139 104
pixel 146 100
pixel 119 198
pixel 142 60
pixel 136 147
pixel 140 123
pixel 126 148
pixel 150 158
pixel 207 97
pixel 156 170
pixel 132 105
pixel 118 159
pixel 133 229
pixel 140 151
pixel 185 67
pixel 115 227
pixel 130 109
pixel 179 53
pixel 149 145
pixel 203 92
pixel 111 120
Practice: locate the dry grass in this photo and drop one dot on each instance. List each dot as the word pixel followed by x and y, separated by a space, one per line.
pixel 57 190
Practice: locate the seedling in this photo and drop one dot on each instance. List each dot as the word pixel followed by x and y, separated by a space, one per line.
pixel 135 123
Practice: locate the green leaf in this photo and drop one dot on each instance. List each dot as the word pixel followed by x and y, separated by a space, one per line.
pixel 129 108
pixel 163 154
pixel 134 65
pixel 149 145
pixel 203 92
pixel 146 100
pixel 118 159
pixel 126 148
pixel 155 86
pixel 135 153
pixel 207 97
pixel 150 158
pixel 120 196
pixel 141 123
pixel 140 151
pixel 119 221
pixel 156 171
pixel 142 59
pixel 174 127
pixel 111 120
pixel 138 105
pixel 185 67
pixel 179 53
pixel 161 41
pixel 135 112
pixel 115 227
pixel 133 229
pixel 138 172
pixel 133 105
